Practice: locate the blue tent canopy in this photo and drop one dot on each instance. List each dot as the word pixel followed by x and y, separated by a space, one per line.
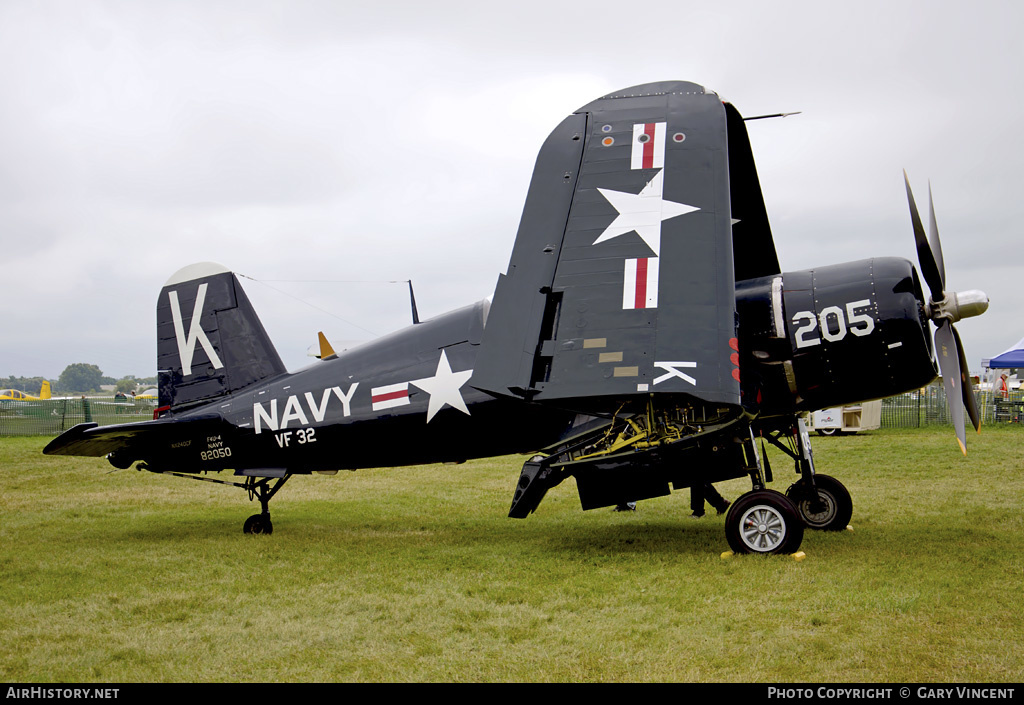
pixel 1014 357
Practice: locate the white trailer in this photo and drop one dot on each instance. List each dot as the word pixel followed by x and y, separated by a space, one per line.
pixel 866 416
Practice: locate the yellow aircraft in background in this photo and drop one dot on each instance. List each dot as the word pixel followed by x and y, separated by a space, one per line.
pixel 18 395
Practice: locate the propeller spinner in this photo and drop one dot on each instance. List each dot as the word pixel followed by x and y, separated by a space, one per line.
pixel 944 309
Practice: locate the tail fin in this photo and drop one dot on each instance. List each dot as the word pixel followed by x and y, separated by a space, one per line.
pixel 210 343
pixel 44 392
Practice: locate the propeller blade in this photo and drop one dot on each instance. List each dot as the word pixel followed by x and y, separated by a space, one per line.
pixel 925 256
pixel 965 381
pixel 949 365
pixel 933 239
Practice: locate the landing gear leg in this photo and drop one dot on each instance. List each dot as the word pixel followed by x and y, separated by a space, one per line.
pixel 800 452
pixel 759 471
pixel 260 489
pixel 804 463
pixel 822 501
pixel 818 509
pixel 762 520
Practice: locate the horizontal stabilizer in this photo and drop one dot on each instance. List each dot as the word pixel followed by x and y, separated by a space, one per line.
pixel 92 440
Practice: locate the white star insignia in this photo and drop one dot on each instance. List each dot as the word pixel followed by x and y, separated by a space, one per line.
pixel 642 212
pixel 443 387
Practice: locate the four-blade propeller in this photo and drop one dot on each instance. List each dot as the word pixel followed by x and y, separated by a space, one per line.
pixel 944 309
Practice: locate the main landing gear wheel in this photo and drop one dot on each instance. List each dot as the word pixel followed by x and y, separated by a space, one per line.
pixel 258 524
pixel 835 515
pixel 764 521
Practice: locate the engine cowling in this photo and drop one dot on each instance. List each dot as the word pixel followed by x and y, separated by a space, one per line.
pixel 834 335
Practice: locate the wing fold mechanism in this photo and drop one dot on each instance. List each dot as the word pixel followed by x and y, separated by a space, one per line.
pixel 637 456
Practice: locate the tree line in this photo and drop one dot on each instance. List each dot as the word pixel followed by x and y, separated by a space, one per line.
pixel 78 378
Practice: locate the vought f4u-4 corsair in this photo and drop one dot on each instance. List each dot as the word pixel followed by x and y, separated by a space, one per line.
pixel 643 338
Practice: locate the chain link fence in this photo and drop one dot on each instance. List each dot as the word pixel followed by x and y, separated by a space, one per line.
pixel 51 417
pixel 928 406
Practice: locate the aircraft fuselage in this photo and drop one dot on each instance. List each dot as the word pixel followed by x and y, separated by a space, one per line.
pixel 408 398
pixel 392 401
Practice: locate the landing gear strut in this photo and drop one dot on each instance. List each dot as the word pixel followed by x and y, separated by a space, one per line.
pixel 762 520
pixel 258 488
pixel 822 501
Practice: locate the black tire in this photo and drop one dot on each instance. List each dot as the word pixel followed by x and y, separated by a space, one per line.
pixel 839 504
pixel 827 431
pixel 764 521
pixel 258 524
pixel 119 461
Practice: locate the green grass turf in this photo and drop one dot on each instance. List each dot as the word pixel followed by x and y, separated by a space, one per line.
pixel 416 574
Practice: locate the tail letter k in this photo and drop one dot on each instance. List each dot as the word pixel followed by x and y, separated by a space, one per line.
pixel 187 346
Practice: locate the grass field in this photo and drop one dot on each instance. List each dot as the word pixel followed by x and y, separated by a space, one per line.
pixel 416 574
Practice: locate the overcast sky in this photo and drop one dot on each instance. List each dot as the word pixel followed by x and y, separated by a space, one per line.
pixel 315 145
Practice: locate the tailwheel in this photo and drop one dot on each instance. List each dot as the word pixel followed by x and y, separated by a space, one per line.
pixel 764 521
pixel 258 524
pixel 833 510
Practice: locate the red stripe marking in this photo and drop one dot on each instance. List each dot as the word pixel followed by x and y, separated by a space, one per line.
pixel 388 397
pixel 640 299
pixel 648 160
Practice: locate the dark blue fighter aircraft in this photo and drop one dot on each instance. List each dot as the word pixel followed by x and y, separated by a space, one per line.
pixel 644 338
